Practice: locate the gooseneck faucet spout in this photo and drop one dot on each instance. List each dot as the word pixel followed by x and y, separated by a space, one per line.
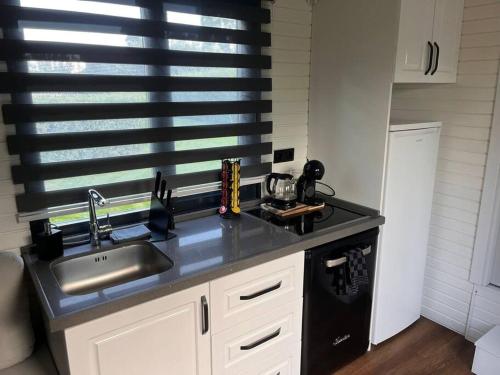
pixel 97 231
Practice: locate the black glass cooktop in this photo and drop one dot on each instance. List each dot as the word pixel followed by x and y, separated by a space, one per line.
pixel 327 217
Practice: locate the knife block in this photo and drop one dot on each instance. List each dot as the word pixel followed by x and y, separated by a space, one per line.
pixel 159 220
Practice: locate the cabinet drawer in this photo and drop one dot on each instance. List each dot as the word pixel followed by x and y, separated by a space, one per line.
pixel 248 347
pixel 282 368
pixel 243 295
pixel 282 365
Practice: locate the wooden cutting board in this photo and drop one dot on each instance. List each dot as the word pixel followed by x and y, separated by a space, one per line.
pixel 299 209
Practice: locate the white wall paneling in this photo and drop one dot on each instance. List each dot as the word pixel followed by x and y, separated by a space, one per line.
pixel 349 104
pixel 466 110
pixel 483 270
pixel 291 52
pixel 13 235
pixel 484 312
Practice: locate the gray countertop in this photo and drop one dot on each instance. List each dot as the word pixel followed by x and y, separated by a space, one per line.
pixel 204 249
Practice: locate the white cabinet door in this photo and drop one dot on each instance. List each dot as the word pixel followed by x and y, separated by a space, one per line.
pixel 163 336
pixel 447 32
pixel 415 32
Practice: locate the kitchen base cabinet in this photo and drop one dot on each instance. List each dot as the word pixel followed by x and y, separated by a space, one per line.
pixel 256 317
pixel 246 323
pixel 163 336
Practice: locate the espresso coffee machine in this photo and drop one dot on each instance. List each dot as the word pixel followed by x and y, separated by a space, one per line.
pixel 306 185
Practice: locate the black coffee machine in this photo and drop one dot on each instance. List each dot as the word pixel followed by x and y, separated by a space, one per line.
pixel 306 185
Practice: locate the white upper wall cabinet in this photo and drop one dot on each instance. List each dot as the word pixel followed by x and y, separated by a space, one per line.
pixel 429 41
pixel 415 34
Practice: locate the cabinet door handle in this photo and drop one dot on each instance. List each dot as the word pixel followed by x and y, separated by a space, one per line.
pixel 437 59
pixel 261 292
pixel 431 59
pixel 204 315
pixel 262 340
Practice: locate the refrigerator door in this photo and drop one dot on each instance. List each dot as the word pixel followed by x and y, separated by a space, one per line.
pixel 409 186
pixel 335 329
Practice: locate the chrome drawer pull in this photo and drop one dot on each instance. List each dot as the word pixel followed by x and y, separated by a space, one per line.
pixel 261 341
pixel 337 262
pixel 259 293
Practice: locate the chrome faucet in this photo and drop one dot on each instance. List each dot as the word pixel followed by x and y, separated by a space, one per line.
pixel 97 231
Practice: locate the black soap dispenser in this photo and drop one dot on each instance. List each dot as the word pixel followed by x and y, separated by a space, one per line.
pixel 49 243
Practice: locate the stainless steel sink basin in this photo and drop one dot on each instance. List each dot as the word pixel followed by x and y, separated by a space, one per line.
pixel 111 267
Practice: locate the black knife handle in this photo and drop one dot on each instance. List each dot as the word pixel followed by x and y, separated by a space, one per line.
pixel 169 196
pixel 162 189
pixel 157 183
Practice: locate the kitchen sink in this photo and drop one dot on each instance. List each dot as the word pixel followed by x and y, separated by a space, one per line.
pixel 110 267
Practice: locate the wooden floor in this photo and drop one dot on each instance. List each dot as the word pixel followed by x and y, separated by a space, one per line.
pixel 424 348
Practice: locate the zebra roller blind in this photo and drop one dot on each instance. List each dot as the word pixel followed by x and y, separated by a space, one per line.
pixel 104 93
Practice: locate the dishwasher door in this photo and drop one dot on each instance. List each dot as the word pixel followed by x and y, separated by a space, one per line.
pixel 335 328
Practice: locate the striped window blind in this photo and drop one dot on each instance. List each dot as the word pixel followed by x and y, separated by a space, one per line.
pixel 105 93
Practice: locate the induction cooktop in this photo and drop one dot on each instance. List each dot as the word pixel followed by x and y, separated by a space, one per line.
pixel 329 216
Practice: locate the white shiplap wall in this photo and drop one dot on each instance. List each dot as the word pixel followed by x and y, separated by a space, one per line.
pixel 13 235
pixel 291 44
pixel 466 111
pixel 291 52
pixel 484 312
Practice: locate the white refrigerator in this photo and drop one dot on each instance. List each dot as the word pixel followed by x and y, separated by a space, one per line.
pixel 407 202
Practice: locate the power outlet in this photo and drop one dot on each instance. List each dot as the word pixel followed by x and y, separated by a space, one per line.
pixel 284 155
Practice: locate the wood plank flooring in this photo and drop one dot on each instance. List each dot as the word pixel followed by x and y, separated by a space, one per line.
pixel 424 348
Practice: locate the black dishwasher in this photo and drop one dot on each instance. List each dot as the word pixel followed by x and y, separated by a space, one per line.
pixel 335 327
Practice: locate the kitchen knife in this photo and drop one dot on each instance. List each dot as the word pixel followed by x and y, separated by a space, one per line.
pixel 162 190
pixel 157 183
pixel 169 196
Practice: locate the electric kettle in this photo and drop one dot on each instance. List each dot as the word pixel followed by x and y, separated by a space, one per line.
pixel 282 190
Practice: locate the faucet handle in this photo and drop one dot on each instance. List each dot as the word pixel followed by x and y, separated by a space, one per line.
pixel 106 229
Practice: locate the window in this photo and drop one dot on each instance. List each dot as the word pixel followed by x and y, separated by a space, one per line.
pixel 104 93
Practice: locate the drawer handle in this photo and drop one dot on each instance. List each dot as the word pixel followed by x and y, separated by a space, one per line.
pixel 261 292
pixel 262 340
pixel 337 262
